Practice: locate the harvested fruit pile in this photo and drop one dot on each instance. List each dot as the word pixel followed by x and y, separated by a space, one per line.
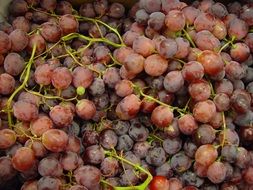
pixel 159 96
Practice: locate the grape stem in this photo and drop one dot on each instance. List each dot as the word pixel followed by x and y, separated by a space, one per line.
pixel 93 40
pixel 9 101
pixel 224 128
pixel 189 38
pixel 226 44
pixel 50 97
pixel 143 186
pixel 81 18
pixel 157 101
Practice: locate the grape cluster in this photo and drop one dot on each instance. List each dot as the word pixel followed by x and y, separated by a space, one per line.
pixel 158 96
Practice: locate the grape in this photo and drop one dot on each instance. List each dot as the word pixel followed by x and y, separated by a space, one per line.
pixel 249 41
pixel 138 132
pixel 124 88
pixel 172 146
pixel 150 5
pixel 143 46
pixel 156 156
pixel 231 137
pixel 248 175
pixel 25 111
pixel 237 28
pixel 94 154
pixel 205 40
pixel 61 78
pixel 240 100
pixel 206 154
pixel 120 127
pixel 87 10
pixel 178 81
pixel 129 178
pixel 167 48
pixel 85 109
pixel 140 149
pixel 199 90
pixel 50 166
pixel 155 65
pixel 159 183
pixel 82 77
pixel 61 116
pixel 68 24
pixel 183 48
pixel 175 20
pixel 204 21
pixel 88 176
pixel 162 116
pixel 240 52
pixel 246 14
pixel 14 64
pixel 69 161
pixel 30 98
pixel 175 183
pixel 109 167
pixel 63 8
pixel 222 102
pixel 128 107
pixel 19 40
pixel 39 41
pixel 190 14
pixel 108 139
pixel 116 10
pixel 211 62
pixel 21 23
pixel 124 143
pixel 192 71
pixel 191 178
pixel 216 172
pixel 101 54
pixel 187 124
pixel 74 144
pixel 229 153
pixel 50 32
pixel 205 134
pixel 23 159
pixel 190 148
pixel 8 172
pixel 55 140
pixel 7 84
pixel 7 138
pixel 48 5
pixel 37 147
pixel 242 158
pixel 219 10
pixel 100 6
pixel 50 183
pixel 18 7
pixel 219 29
pixel 156 20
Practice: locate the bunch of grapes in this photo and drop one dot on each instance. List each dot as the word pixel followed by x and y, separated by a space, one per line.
pixel 158 96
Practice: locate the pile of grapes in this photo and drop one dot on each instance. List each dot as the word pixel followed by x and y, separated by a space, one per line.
pixel 103 97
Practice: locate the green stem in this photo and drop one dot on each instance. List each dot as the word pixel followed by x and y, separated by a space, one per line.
pixel 100 22
pixel 29 65
pixel 50 97
pixel 93 40
pixel 143 186
pixel 155 100
pixel 189 38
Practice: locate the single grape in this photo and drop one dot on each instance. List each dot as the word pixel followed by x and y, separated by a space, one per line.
pixel 23 159
pixel 162 116
pixel 88 176
pixel 206 154
pixel 61 116
pixel 50 166
pixel 55 140
pixel 7 138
